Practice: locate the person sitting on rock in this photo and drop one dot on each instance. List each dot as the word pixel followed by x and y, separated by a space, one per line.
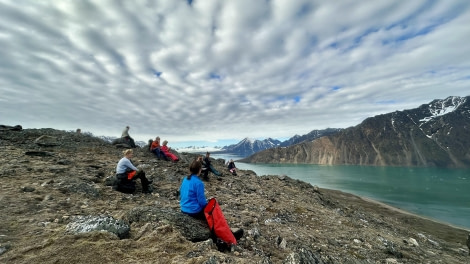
pixel 166 150
pixel 155 148
pixel 193 200
pixel 192 196
pixel 208 167
pixel 125 135
pixel 126 173
pixel 231 167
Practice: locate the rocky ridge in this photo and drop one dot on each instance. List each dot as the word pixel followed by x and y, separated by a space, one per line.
pixel 57 206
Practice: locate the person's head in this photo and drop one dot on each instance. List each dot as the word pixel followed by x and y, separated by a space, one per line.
pixel 231 160
pixel 195 167
pixel 165 142
pixel 157 138
pixel 128 152
pixel 207 154
pixel 127 127
pixel 79 131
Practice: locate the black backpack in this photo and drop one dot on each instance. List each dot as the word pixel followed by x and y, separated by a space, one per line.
pixel 124 185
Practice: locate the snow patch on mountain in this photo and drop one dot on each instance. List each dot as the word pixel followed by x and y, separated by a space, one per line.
pixel 442 107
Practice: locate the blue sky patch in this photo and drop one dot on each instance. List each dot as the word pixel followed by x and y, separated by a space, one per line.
pixel 215 76
pixel 335 88
pixel 156 73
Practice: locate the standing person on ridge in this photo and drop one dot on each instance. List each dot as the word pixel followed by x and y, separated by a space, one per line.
pixel 127 138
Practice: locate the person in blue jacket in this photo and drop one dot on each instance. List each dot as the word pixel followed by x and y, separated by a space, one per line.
pixel 192 197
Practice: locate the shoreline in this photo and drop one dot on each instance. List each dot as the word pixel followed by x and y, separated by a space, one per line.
pixel 414 221
pixel 402 211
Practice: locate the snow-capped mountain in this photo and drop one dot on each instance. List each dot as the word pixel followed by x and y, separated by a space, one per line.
pixel 249 146
pixel 436 134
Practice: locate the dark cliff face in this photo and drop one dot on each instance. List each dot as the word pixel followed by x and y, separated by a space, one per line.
pixel 434 134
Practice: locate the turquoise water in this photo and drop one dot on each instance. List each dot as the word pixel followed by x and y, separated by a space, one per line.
pixel 437 193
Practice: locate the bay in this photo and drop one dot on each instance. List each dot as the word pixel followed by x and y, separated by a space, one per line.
pixel 437 193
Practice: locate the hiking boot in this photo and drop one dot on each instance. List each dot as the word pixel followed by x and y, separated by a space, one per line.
pixel 238 234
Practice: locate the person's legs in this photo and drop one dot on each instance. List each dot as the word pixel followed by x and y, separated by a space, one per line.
pixel 156 151
pixel 132 142
pixel 215 171
pixel 145 182
pixel 163 155
pixel 205 174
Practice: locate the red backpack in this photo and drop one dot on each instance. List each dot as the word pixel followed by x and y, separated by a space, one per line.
pixel 217 222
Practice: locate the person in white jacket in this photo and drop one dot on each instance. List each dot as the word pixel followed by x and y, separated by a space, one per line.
pixel 127 138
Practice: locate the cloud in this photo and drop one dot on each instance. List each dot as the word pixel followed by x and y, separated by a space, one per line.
pixel 222 70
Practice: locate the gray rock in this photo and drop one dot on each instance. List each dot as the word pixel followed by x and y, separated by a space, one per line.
pixel 192 229
pixel 47 141
pixel 468 244
pixel 80 187
pixel 4 248
pixel 28 189
pixel 84 224
pixel 303 256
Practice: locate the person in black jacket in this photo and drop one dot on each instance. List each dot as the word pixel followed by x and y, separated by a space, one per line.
pixel 232 168
pixel 207 166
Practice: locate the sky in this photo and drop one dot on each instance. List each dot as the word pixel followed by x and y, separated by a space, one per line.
pixel 211 73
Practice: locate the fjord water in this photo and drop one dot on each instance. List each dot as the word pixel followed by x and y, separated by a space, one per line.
pixel 437 193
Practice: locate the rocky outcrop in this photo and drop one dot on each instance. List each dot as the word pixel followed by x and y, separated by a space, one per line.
pixel 434 135
pixel 61 208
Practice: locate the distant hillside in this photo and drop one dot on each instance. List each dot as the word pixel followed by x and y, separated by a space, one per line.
pixel 435 134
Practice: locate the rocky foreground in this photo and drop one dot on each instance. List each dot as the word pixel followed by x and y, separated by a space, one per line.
pixel 57 206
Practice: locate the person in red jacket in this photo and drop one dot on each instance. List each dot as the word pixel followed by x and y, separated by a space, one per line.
pixel 155 148
pixel 166 150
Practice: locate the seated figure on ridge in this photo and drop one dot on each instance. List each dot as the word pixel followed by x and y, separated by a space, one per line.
pixel 166 150
pixel 155 148
pixel 125 136
pixel 126 173
pixel 193 202
pixel 209 168
pixel 232 168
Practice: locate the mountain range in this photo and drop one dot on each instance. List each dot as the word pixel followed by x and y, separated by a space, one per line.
pixel 433 135
pixel 247 146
